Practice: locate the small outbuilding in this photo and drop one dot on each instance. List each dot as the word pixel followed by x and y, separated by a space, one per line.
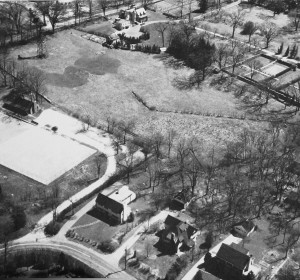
pixel 21 106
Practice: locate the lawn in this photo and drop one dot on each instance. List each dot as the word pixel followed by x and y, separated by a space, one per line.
pixel 108 89
pixel 257 15
pixel 101 28
pixel 94 226
pixel 265 249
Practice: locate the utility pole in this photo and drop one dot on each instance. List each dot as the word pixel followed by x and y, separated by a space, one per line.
pixel 125 258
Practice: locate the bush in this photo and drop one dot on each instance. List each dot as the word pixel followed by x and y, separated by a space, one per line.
pixel 19 217
pixel 106 247
pixel 177 267
pixel 52 228
pixel 247 28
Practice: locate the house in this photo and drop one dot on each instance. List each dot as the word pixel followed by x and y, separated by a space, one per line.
pixel 203 275
pixel 177 231
pixel 121 24
pixel 133 14
pixel 243 228
pixel 141 15
pixel 179 201
pixel 21 106
pixel 234 261
pixel 115 204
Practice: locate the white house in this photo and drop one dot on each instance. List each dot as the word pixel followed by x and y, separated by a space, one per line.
pixel 115 205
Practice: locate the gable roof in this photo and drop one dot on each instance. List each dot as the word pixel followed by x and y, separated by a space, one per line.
pixel 19 105
pixel 109 203
pixel 141 11
pixel 247 225
pixel 233 255
pixel 206 276
pixel 176 222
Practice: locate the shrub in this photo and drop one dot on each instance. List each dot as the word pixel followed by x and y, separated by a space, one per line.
pixel 177 267
pixel 106 247
pixel 130 218
pixel 52 228
pixel 247 28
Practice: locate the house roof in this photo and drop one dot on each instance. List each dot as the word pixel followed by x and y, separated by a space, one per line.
pixel 109 203
pixel 233 255
pixel 247 225
pixel 19 105
pixel 141 12
pixel 180 196
pixel 206 276
pixel 175 222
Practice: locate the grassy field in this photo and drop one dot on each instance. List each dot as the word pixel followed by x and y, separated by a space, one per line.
pixel 109 91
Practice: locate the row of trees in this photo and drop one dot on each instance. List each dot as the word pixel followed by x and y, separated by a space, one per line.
pixel 20 23
pixel 24 79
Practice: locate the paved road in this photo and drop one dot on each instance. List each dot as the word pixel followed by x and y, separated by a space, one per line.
pixel 78 251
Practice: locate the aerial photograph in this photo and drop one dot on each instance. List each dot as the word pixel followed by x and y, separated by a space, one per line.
pixel 150 139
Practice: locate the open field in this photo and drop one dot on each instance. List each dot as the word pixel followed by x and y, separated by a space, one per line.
pixel 109 92
pixel 41 155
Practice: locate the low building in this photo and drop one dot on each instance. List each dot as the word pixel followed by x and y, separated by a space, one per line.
pixel 243 228
pixel 234 261
pixel 179 201
pixel 121 24
pixel 22 106
pixel 115 204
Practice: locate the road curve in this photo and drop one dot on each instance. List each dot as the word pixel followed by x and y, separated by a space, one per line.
pixel 88 257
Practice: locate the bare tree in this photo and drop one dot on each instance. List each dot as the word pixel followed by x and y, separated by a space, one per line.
pixel 127 127
pixel 236 19
pixel 254 66
pixel 222 55
pixel 77 10
pixel 16 13
pixel 43 8
pixel 146 3
pixel 55 13
pixel 111 124
pixel 269 31
pixel 171 135
pixel 153 173
pixel 99 161
pixel 90 4
pixel 148 247
pixel 294 18
pixel 161 27
pixel 103 4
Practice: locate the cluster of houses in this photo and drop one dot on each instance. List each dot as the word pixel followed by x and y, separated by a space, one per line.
pixel 127 17
pixel 179 235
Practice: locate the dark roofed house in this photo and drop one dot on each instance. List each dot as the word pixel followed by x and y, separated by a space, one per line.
pixel 113 208
pixel 178 231
pixel 179 201
pixel 203 275
pixel 243 228
pixel 234 261
pixel 21 106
